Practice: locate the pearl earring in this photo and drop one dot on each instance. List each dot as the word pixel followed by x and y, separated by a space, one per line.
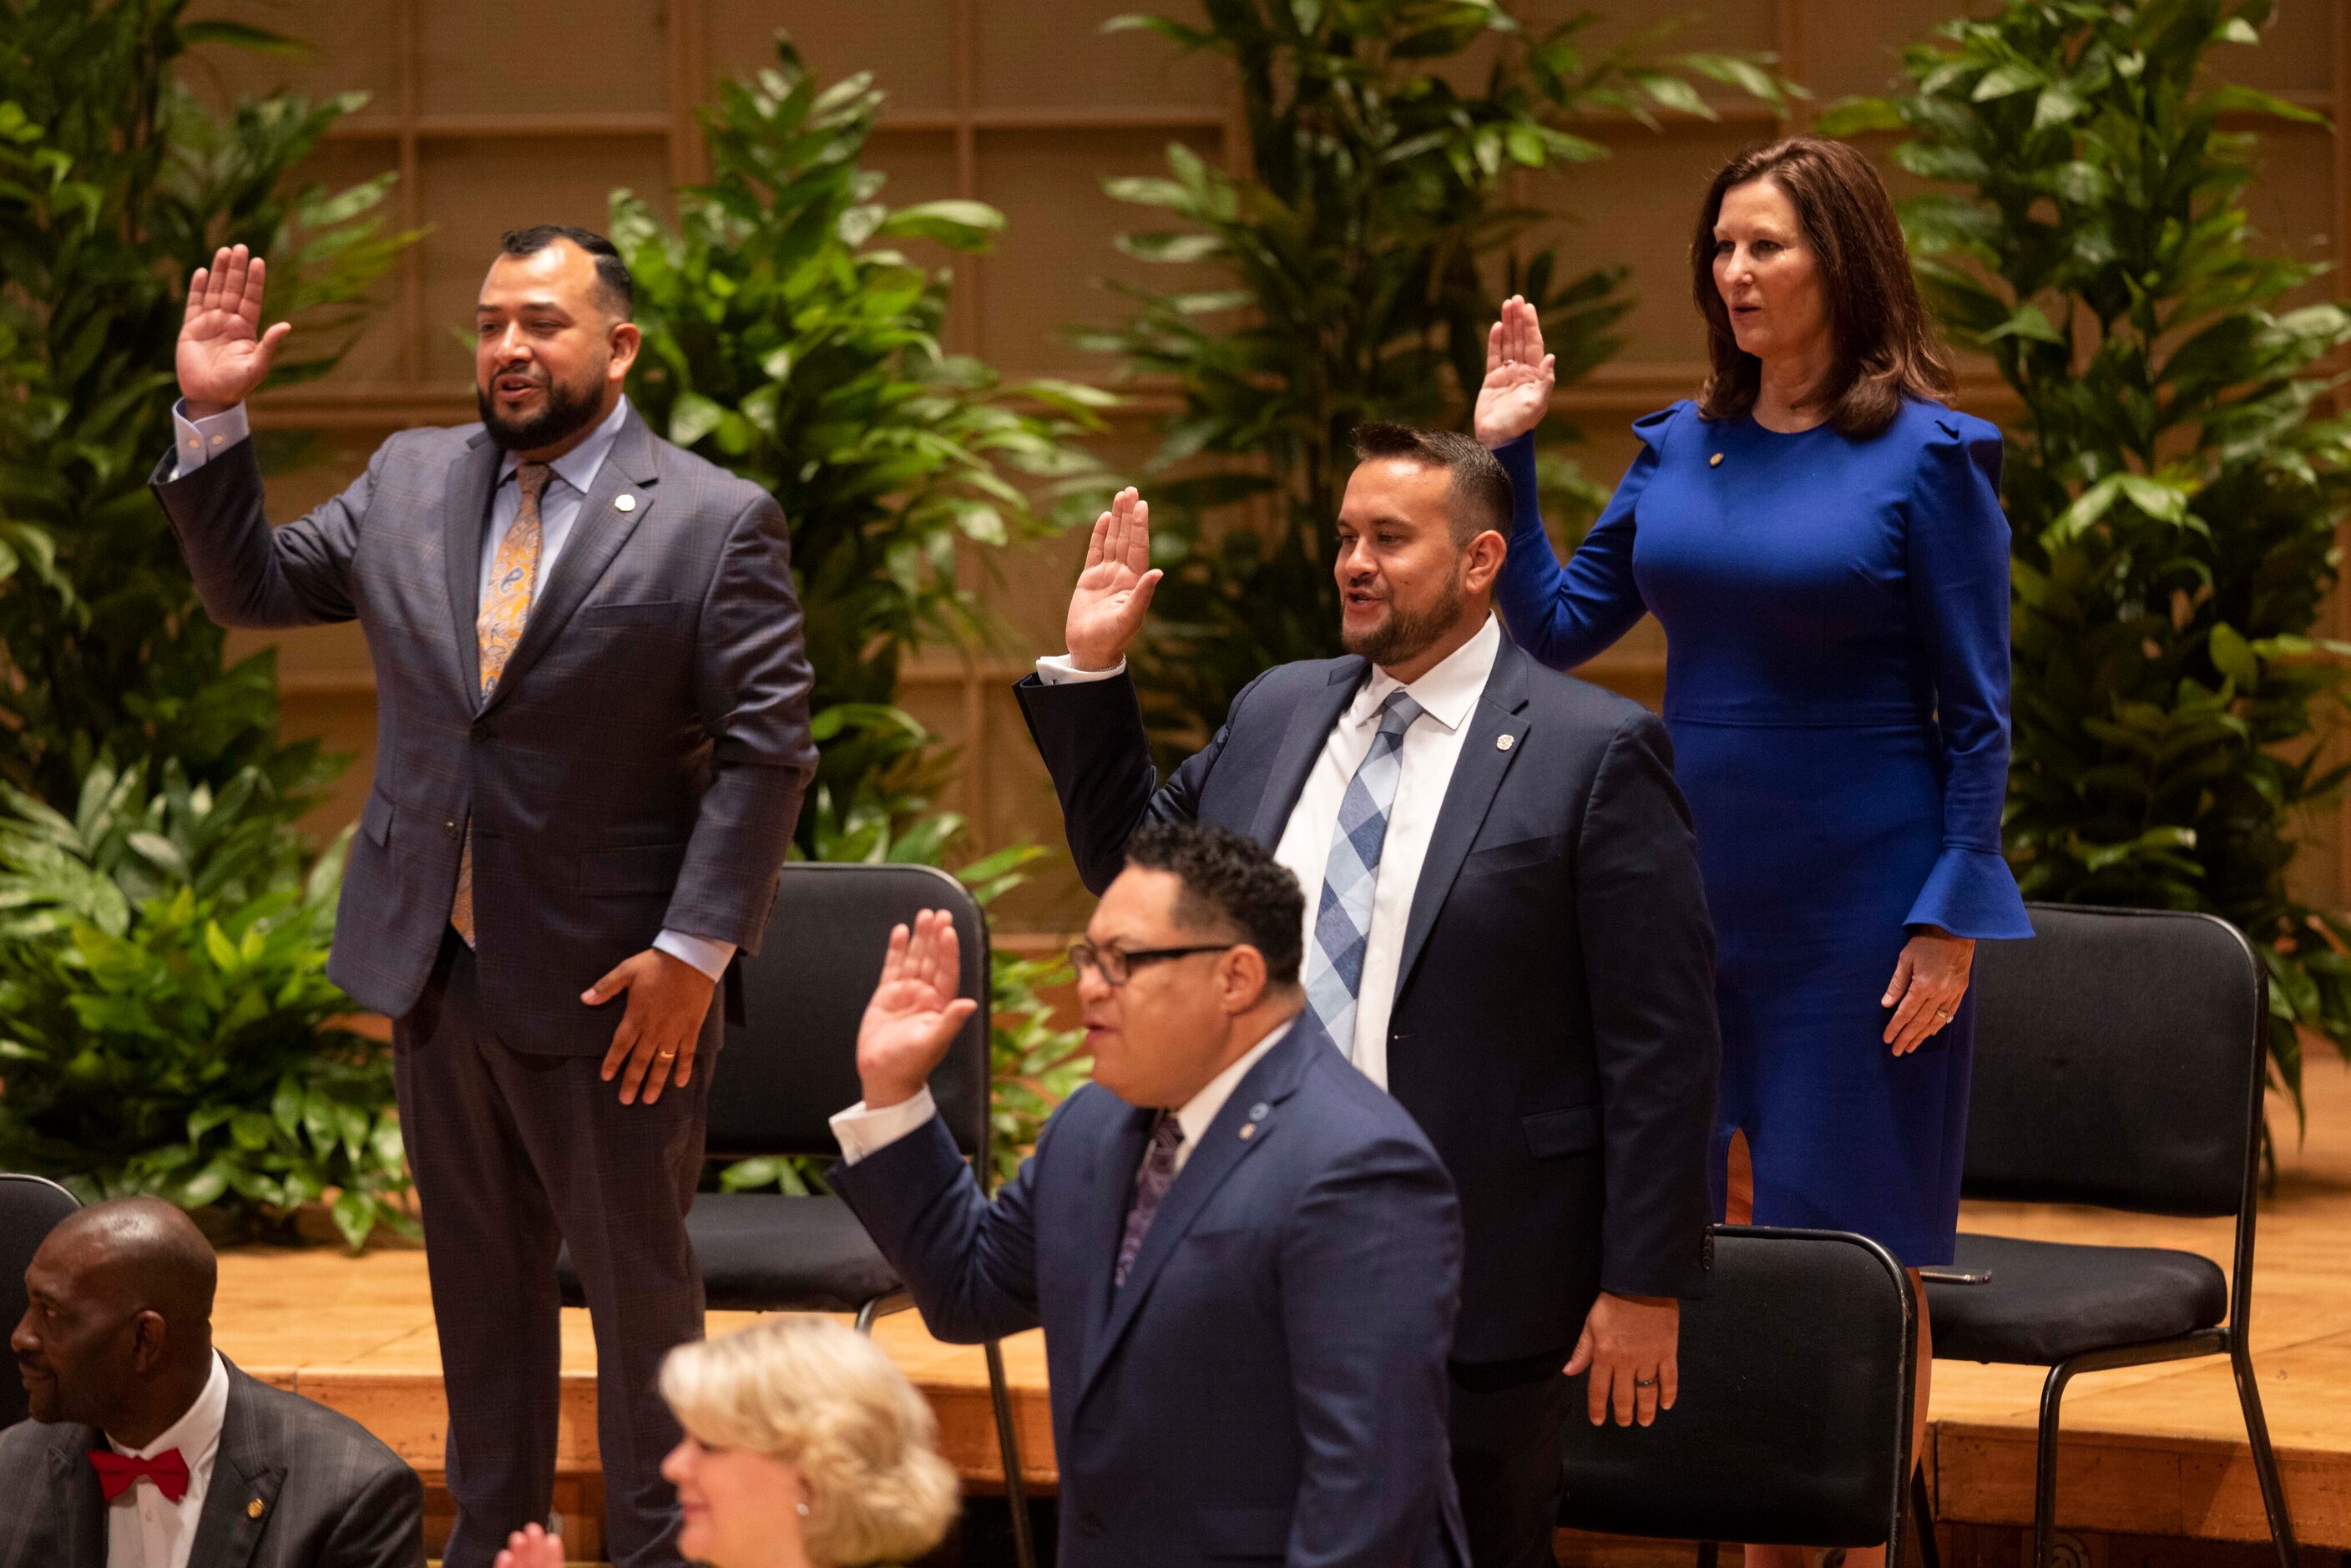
pixel 803 1510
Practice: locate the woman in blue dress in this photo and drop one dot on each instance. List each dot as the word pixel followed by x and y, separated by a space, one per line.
pixel 1821 538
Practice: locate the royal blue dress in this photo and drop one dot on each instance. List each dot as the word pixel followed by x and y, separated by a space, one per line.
pixel 1837 687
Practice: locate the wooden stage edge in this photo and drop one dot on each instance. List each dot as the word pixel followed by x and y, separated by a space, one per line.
pixel 2154 1450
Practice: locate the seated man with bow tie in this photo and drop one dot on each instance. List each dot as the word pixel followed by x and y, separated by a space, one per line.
pixel 147 1450
pixel 1245 1257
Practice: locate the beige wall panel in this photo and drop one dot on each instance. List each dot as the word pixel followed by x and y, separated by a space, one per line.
pixel 539 57
pixel 2295 53
pixel 1636 208
pixel 1045 274
pixel 1750 25
pixel 475 191
pixel 374 354
pixel 1053 55
pixel 921 166
pixel 908 44
pixel 348 47
pixel 2293 207
pixel 1855 47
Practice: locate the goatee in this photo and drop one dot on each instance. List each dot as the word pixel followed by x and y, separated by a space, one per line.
pixel 1404 635
pixel 568 411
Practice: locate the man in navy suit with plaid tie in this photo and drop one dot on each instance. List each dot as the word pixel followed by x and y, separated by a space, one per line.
pixel 1505 930
pixel 1244 1256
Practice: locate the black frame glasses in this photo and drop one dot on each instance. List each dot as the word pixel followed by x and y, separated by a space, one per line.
pixel 1116 967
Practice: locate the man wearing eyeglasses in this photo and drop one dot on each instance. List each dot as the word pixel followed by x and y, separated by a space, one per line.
pixel 1245 1258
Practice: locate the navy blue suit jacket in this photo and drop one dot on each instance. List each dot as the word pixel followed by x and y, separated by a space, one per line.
pixel 1554 1029
pixel 1270 1383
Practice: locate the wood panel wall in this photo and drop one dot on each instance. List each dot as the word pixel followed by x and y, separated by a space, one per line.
pixel 498 113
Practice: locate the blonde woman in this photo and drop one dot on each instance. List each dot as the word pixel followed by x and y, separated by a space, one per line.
pixel 804 1448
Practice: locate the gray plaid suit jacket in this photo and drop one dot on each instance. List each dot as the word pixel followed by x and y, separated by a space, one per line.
pixel 641 763
pixel 330 1495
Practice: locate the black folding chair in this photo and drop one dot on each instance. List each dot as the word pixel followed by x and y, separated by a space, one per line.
pixel 1792 1424
pixel 2119 1062
pixel 778 1082
pixel 30 1208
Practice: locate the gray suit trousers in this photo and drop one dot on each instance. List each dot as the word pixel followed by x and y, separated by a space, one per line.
pixel 515 1153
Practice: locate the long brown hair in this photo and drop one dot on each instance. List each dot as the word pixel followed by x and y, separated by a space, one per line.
pixel 1883 349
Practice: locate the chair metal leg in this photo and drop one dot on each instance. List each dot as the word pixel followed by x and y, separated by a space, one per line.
pixel 1922 1510
pixel 2044 1465
pixel 2265 1465
pixel 1007 1444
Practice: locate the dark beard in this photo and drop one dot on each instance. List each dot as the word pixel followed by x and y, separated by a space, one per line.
pixel 1407 636
pixel 570 410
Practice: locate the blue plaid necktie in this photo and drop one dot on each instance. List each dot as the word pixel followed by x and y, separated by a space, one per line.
pixel 1343 919
pixel 1151 1183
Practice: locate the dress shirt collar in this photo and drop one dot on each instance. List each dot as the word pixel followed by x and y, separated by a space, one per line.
pixel 1196 1114
pixel 1446 694
pixel 196 1434
pixel 578 466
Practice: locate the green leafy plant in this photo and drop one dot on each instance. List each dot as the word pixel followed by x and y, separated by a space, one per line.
pixel 166 1023
pixel 787 340
pixel 1357 260
pixel 2172 484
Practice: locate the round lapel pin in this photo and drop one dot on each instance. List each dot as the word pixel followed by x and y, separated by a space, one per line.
pixel 1249 1130
pixel 255 1508
pixel 1504 742
pixel 625 504
pixel 1715 460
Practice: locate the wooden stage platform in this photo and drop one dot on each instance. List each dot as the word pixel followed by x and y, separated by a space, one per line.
pixel 2153 1451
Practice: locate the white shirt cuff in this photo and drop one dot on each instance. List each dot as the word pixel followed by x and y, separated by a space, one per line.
pixel 196 442
pixel 862 1132
pixel 1056 670
pixel 709 955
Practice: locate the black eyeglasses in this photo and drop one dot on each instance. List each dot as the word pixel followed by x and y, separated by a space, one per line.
pixel 1116 966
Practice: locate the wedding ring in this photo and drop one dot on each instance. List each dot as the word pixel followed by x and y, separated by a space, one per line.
pixel 1645 1383
pixel 663 1055
pixel 1944 1014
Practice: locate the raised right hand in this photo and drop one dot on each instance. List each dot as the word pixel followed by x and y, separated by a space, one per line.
pixel 224 353
pixel 1113 591
pixel 916 1013
pixel 1516 393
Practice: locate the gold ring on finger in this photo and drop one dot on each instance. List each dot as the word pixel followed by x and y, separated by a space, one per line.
pixel 663 1055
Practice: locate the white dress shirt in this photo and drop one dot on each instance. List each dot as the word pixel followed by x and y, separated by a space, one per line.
pixel 862 1132
pixel 200 441
pixel 1447 695
pixel 142 1530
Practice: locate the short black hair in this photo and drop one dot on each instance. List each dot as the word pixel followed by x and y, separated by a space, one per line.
pixel 1230 883
pixel 1479 495
pixel 620 291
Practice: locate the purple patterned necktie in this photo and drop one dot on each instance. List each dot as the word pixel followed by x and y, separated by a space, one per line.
pixel 1151 1183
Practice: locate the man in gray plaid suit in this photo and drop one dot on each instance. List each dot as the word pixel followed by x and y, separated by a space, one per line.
pixel 593 740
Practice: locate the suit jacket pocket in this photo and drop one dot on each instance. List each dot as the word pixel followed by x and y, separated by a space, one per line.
pixel 1512 856
pixel 634 868
pixel 654 614
pixel 1570 1131
pixel 1243 1531
pixel 375 818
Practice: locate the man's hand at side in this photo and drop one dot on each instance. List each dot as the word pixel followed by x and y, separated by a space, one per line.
pixel 916 1013
pixel 1628 1345
pixel 224 353
pixel 668 998
pixel 1112 592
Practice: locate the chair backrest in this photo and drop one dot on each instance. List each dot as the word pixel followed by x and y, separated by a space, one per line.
pixel 30 1208
pixel 1792 1424
pixel 794 1063
pixel 2119 1061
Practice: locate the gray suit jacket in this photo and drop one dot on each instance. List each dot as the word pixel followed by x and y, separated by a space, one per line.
pixel 331 1496
pixel 639 765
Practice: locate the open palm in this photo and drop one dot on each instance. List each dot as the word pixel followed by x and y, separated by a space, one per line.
pixel 916 1013
pixel 224 354
pixel 1114 591
pixel 1516 393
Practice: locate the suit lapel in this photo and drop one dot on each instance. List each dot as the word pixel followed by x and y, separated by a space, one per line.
pixel 472 476
pixel 82 1507
pixel 1309 726
pixel 1110 1186
pixel 245 1472
pixel 597 536
pixel 1476 777
pixel 1221 1151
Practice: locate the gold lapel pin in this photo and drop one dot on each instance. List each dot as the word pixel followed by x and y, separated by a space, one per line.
pixel 1715 460
pixel 1504 742
pixel 628 503
pixel 255 1508
pixel 1248 1131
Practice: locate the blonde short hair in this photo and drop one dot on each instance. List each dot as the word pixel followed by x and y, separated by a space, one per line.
pixel 825 1400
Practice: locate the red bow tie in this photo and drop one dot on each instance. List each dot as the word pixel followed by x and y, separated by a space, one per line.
pixel 118 1472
